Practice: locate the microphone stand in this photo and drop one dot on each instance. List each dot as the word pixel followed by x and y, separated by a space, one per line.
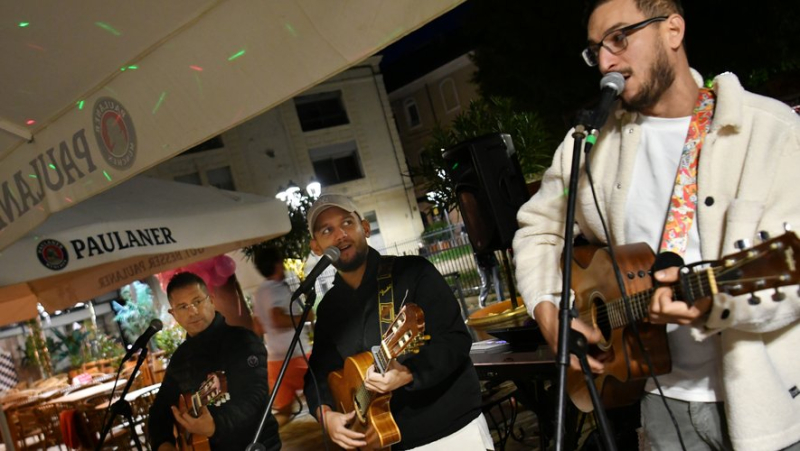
pixel 310 297
pixel 570 340
pixel 123 407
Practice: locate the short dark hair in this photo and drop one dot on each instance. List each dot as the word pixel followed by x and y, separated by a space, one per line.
pixel 266 258
pixel 183 280
pixel 650 8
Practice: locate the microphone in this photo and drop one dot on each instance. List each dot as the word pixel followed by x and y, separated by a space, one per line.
pixel 329 255
pixel 141 342
pixel 611 86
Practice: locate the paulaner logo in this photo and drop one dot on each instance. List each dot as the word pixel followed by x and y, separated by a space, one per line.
pixel 114 131
pixel 52 254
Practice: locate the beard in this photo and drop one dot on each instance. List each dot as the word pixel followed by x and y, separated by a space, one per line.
pixel 358 259
pixel 662 75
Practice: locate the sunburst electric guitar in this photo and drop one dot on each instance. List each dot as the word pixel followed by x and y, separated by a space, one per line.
pixel 771 264
pixel 214 391
pixel 373 416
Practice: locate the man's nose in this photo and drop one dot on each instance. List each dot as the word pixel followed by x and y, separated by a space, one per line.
pixel 606 61
pixel 339 233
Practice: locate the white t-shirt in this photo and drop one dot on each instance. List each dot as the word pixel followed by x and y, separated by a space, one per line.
pixel 273 294
pixel 695 371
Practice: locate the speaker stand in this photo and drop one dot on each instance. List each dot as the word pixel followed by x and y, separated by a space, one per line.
pixel 512 288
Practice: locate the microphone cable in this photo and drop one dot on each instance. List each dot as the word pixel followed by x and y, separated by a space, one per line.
pixel 626 302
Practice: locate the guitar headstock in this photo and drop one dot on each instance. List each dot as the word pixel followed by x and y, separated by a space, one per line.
pixel 213 391
pixel 771 264
pixel 407 332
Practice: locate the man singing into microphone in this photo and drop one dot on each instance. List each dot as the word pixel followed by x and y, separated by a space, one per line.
pixel 211 345
pixel 436 395
pixel 735 376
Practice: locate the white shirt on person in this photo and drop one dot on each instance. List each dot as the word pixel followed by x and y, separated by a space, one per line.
pixel 695 367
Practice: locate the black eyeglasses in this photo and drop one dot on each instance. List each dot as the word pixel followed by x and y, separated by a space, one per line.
pixel 615 41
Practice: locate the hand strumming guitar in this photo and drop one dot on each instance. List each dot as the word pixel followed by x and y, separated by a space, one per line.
pixel 202 425
pixel 396 376
pixel 546 316
pixel 664 310
pixel 337 424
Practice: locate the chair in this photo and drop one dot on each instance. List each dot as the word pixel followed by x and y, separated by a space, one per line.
pixel 91 422
pixel 25 430
pixel 500 408
pixel 141 412
pixel 48 419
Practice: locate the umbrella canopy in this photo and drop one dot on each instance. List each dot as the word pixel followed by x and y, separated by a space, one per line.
pixel 94 92
pixel 138 228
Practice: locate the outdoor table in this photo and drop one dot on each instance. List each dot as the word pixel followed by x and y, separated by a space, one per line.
pixel 132 396
pixel 77 396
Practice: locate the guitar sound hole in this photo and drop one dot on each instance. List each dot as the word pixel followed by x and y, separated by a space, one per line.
pixel 602 320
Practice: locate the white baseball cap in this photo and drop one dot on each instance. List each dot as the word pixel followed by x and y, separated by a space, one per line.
pixel 327 201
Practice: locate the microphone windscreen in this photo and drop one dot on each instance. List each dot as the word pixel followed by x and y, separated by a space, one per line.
pixel 614 80
pixel 333 253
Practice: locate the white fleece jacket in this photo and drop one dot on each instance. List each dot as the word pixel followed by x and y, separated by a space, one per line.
pixel 748 179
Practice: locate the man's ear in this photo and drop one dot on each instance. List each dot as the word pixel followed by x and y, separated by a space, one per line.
pixel 315 247
pixel 365 225
pixel 676 30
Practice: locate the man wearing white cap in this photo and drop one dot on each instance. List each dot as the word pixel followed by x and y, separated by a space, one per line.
pixel 436 395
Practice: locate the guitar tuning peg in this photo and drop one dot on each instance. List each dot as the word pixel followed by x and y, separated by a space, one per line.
pixel 754 300
pixel 742 244
pixel 426 337
pixel 787 227
pixel 763 235
pixel 777 296
pixel 415 351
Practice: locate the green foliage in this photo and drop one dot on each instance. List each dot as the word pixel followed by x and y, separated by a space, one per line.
pixel 432 231
pixel 451 254
pixel 533 143
pixel 136 314
pixel 170 338
pixel 68 345
pixel 108 347
pixel 31 356
pixel 296 243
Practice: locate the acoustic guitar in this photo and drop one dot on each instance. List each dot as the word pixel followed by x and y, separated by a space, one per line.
pixel 771 264
pixel 373 416
pixel 213 391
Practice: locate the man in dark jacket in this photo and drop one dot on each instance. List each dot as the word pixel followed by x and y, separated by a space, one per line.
pixel 436 395
pixel 212 346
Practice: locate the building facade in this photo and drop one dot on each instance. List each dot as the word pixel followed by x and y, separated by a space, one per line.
pixel 340 133
pixel 437 97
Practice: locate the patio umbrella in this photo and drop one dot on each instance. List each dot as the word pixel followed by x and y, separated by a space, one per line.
pixel 95 92
pixel 141 227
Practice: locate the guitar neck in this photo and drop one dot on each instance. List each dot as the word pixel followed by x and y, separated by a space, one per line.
pixel 690 288
pixel 363 395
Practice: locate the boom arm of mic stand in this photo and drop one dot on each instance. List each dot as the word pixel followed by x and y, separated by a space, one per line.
pixel 565 315
pixel 122 406
pixel 310 297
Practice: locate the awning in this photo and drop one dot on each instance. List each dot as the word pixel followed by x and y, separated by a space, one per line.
pixel 138 228
pixel 94 92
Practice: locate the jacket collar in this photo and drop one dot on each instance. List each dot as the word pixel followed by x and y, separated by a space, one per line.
pixel 728 111
pixel 218 321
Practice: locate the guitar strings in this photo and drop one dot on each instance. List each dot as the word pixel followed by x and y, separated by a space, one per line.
pixel 612 313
